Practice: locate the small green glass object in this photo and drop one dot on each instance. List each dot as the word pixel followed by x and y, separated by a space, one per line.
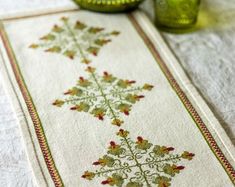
pixel 108 6
pixel 176 13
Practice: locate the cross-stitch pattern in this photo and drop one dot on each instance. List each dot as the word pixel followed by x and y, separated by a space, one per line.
pixel 137 163
pixel 75 40
pixel 104 95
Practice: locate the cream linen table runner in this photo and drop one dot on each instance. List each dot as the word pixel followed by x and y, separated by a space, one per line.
pixel 101 100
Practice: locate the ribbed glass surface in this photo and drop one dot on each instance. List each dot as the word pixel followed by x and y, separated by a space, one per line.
pixel 109 5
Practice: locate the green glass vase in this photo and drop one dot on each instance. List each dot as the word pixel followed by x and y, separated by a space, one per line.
pixel 176 13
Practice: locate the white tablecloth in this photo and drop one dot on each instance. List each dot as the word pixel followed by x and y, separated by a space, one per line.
pixel 207 55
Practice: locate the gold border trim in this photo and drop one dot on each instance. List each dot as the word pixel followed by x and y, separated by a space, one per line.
pixel 32 111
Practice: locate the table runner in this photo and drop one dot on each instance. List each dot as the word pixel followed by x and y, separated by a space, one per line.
pixel 102 101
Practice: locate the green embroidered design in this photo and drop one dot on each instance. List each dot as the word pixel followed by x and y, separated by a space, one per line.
pixel 137 163
pixel 104 95
pixel 75 40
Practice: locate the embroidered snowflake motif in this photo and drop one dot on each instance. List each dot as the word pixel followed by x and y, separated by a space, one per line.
pixel 75 40
pixel 103 96
pixel 137 163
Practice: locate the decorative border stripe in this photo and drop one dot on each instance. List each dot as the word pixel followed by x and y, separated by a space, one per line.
pixel 184 99
pixel 32 111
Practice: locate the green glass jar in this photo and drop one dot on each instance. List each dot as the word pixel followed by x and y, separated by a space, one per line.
pixel 176 13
